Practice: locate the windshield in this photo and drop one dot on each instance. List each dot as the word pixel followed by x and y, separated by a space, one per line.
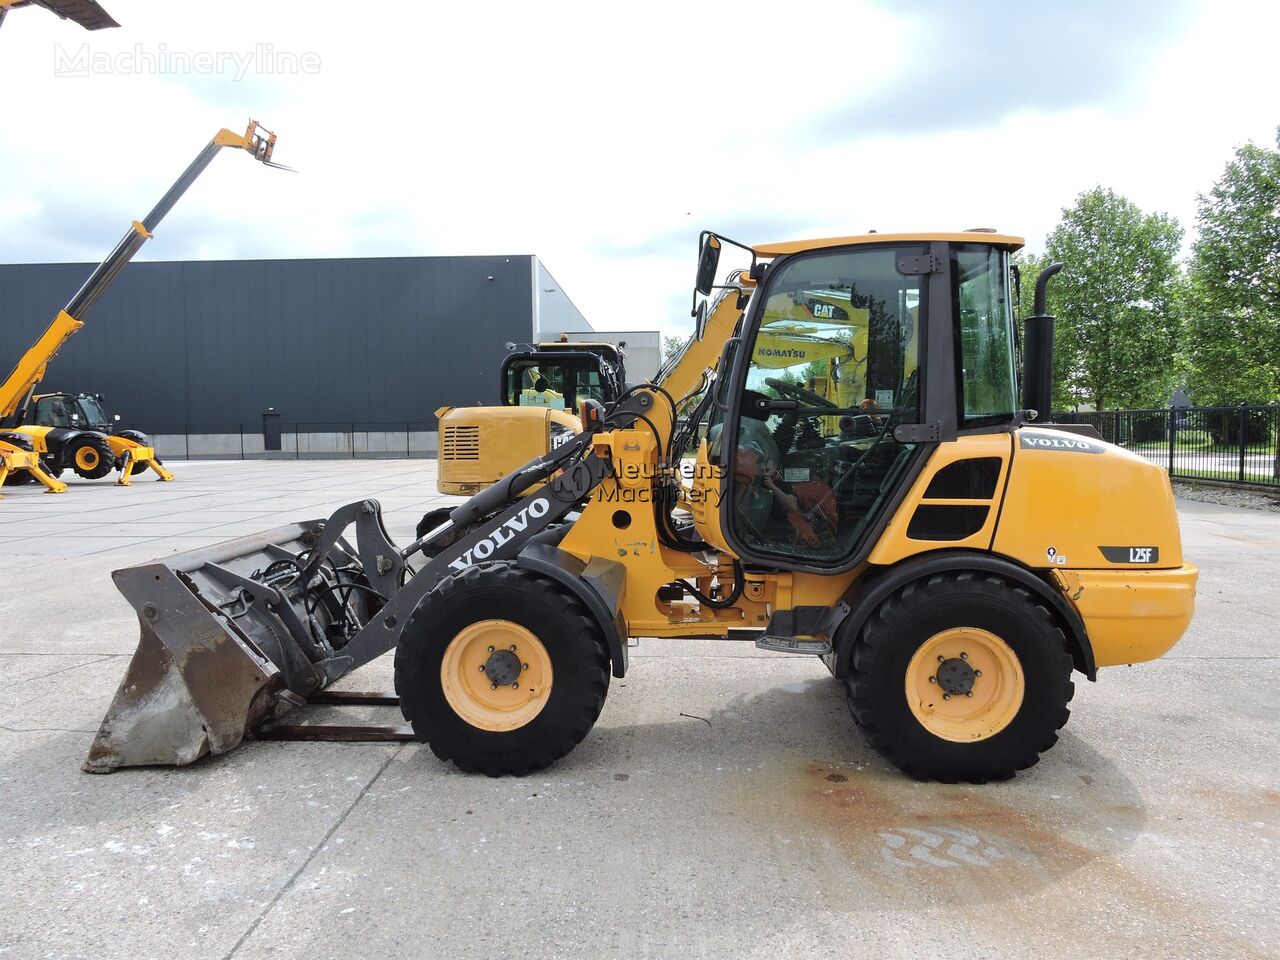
pixel 556 384
pixel 91 411
pixel 983 308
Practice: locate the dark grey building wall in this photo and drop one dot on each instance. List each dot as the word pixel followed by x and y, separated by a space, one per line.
pixel 365 340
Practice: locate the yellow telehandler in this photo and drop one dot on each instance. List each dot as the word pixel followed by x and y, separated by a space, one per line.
pixel 951 567
pixel 93 450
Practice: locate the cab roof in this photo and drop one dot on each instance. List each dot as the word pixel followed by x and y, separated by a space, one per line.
pixel 1002 240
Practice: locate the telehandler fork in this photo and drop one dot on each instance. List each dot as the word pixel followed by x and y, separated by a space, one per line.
pixel 951 563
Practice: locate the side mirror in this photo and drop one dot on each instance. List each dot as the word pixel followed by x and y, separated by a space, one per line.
pixel 708 261
pixel 116 418
pixel 700 320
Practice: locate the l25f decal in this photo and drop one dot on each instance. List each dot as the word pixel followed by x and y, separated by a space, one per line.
pixel 1053 440
pixel 1131 554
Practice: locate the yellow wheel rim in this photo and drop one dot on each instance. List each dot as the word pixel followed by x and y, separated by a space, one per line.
pixel 965 684
pixel 496 675
pixel 86 458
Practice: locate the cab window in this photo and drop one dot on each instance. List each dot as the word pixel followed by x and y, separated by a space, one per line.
pixel 834 366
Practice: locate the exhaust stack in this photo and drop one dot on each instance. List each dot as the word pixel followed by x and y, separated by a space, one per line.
pixel 1037 362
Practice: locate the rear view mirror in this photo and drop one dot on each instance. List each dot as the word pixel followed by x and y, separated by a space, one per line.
pixel 708 261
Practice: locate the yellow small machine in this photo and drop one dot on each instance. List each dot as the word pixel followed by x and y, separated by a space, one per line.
pixel 74 432
pixel 951 564
pixel 94 450
pixel 542 387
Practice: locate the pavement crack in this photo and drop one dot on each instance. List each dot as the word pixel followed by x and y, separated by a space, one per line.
pixel 74 666
pixel 293 878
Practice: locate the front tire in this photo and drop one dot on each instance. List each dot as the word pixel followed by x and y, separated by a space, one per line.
pixel 961 677
pixel 486 707
pixel 91 458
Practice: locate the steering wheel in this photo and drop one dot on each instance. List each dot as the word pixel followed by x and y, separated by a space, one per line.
pixel 798 393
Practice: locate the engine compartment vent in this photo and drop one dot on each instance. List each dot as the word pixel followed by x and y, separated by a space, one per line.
pixel 460 442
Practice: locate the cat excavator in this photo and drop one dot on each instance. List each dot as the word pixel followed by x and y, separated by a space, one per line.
pixel 33 450
pixel 952 567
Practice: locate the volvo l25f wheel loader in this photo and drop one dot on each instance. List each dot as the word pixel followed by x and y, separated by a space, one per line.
pixel 89 450
pixel 952 566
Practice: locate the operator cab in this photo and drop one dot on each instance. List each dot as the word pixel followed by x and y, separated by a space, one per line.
pixel 78 411
pixel 559 376
pixel 856 357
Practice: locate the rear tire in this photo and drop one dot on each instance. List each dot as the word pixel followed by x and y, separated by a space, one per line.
pixel 909 654
pixel 523 730
pixel 91 458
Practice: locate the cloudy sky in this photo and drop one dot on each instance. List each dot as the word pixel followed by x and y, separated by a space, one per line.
pixel 603 137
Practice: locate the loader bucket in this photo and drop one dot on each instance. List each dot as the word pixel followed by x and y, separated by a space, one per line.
pixel 237 634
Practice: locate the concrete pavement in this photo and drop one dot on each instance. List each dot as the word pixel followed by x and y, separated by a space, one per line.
pixel 724 805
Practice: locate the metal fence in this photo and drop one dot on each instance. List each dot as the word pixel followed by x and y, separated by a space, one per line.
pixel 1228 444
pixel 248 440
pixel 1225 444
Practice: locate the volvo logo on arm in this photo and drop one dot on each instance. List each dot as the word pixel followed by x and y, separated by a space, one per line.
pixel 486 547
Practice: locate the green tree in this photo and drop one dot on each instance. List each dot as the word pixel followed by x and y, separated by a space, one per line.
pixel 1233 304
pixel 1117 302
pixel 671 346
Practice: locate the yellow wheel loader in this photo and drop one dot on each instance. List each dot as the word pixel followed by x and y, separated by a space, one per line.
pixel 952 567
pixel 94 449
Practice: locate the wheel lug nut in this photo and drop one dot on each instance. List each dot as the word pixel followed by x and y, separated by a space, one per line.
pixel 493 686
pixel 491 649
pixel 964 656
pixel 482 668
pixel 969 694
pixel 977 673
pixel 931 679
pixel 513 648
pixel 515 686
pixel 946 696
pixel 941 659
pixel 524 666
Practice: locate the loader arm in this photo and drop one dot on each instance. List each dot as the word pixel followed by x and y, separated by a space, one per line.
pixel 16 390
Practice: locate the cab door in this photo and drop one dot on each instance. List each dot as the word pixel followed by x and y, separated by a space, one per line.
pixel 832 367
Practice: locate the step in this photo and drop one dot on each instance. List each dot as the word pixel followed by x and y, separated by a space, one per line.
pixel 808 647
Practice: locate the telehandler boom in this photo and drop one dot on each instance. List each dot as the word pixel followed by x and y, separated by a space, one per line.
pixel 90 453
pixel 951 566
